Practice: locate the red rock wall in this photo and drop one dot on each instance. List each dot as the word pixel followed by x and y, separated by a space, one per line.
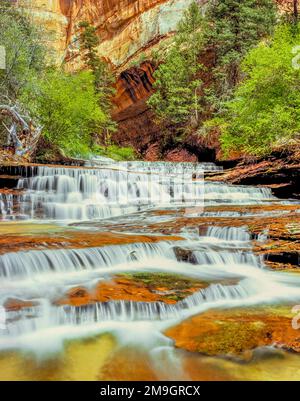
pixel 125 27
pixel 135 119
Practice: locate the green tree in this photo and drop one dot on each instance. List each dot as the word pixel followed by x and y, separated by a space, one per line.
pixel 265 111
pixel 103 77
pixel 68 108
pixel 72 109
pixel 177 84
pixel 24 59
pixel 25 53
pixel 233 28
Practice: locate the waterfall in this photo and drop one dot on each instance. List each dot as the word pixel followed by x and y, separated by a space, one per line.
pixel 218 193
pixel 83 194
pixel 219 257
pixel 63 193
pixel 227 258
pixel 6 204
pixel 228 233
pixel 31 263
pixel 158 167
pixel 171 167
pixel 47 316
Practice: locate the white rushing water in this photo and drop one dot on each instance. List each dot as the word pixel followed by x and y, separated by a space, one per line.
pixel 18 264
pixel 221 257
pixel 97 193
pixel 42 276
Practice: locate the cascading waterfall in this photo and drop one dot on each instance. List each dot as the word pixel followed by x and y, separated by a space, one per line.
pixel 219 253
pixel 228 233
pixel 158 167
pixel 83 194
pixel 89 193
pixel 218 193
pixel 18 267
pixel 31 263
pixel 6 205
pixel 225 258
pixel 118 310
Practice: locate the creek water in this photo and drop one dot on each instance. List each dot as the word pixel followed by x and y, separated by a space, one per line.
pixel 124 338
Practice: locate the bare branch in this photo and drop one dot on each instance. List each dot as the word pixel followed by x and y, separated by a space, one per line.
pixel 22 135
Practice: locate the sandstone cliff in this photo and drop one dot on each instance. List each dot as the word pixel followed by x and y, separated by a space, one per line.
pixel 125 27
pixel 135 120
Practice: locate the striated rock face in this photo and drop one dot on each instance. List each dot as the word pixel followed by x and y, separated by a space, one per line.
pixel 125 27
pixel 281 174
pixel 51 16
pixel 133 85
pixel 128 26
pixel 135 119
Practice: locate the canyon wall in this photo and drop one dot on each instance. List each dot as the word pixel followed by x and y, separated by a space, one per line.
pixel 127 30
pixel 135 120
pixel 134 87
pixel 125 27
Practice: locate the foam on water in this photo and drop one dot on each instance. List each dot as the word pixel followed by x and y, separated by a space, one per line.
pixel 228 233
pixel 256 285
pixel 38 262
pixel 96 193
pixel 218 253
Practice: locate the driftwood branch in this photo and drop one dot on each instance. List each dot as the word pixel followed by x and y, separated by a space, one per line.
pixel 23 135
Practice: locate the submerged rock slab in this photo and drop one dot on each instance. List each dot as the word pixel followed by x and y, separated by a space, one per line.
pixel 30 236
pixel 138 287
pixel 236 333
pixel 14 304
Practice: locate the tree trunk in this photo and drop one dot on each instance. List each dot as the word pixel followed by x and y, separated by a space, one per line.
pixel 295 3
pixel 22 135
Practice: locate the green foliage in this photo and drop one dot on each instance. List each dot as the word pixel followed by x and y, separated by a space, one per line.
pixel 115 152
pixel 25 57
pixel 74 109
pixel 173 101
pixel 225 33
pixel 25 53
pixel 137 62
pixel 177 84
pixel 266 108
pixel 103 77
pixel 68 108
pixel 233 28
